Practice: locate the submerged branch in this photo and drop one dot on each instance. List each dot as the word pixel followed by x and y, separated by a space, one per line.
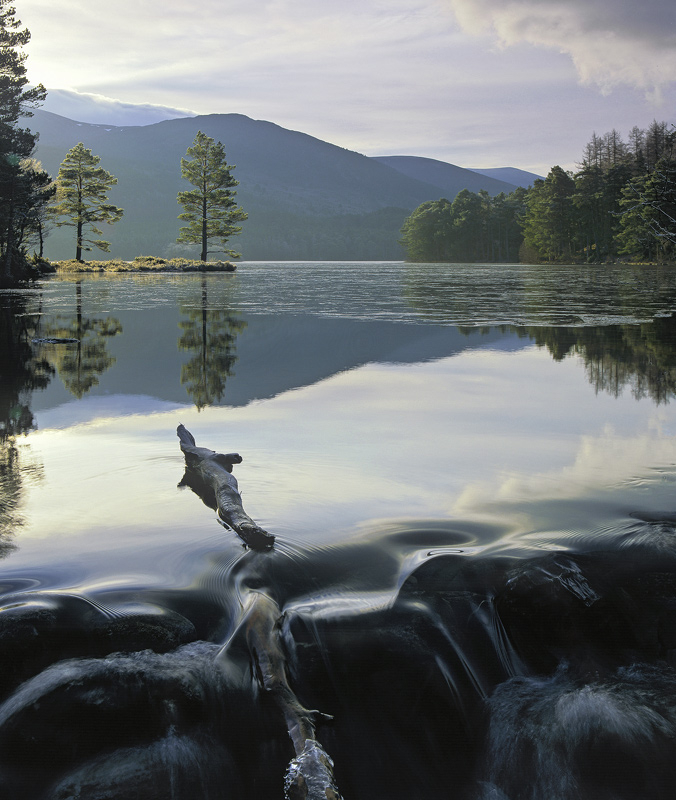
pixel 310 773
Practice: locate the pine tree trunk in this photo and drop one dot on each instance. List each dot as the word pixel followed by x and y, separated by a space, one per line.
pixel 9 244
pixel 204 227
pixel 78 245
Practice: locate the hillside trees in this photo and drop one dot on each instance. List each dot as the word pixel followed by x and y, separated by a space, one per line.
pixel 426 234
pixel 548 224
pixel 620 204
pixel 81 197
pixel 24 189
pixel 474 227
pixel 210 208
pixel 623 201
pixel 648 223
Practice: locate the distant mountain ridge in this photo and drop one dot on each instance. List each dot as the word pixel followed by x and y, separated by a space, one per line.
pixel 306 199
pixel 447 177
pixel 518 177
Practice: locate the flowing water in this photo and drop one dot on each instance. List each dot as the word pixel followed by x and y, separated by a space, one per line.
pixel 470 472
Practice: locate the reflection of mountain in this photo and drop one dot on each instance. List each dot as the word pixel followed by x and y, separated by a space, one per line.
pixel 274 353
pixel 639 357
pixel 210 335
pixel 81 363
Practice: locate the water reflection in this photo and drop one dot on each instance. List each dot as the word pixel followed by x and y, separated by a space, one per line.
pixel 463 294
pixel 79 363
pixel 639 357
pixel 21 373
pixel 209 335
pixel 454 520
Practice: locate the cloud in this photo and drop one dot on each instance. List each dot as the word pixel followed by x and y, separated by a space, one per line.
pixel 378 76
pixel 99 109
pixel 611 42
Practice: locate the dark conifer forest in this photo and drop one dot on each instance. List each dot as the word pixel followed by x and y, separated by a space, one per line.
pixel 619 205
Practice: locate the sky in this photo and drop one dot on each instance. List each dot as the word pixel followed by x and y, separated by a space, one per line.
pixel 477 83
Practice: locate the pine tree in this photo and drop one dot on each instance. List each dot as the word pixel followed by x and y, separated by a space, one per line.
pixel 210 208
pixel 550 221
pixel 649 209
pixel 427 234
pixel 17 194
pixel 81 197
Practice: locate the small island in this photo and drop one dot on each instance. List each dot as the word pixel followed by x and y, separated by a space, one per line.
pixel 139 264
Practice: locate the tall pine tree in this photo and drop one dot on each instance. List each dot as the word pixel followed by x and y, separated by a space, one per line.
pixel 210 208
pixel 81 197
pixel 23 189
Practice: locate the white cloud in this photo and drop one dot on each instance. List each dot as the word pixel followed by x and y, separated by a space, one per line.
pixel 611 42
pixel 376 76
pixel 99 109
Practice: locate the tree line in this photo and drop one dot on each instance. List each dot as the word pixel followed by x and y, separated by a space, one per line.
pixel 620 204
pixel 78 197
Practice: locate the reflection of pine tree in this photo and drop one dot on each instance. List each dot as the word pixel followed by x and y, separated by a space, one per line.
pixel 20 373
pixel 209 333
pixel 641 358
pixel 80 364
pixel 20 370
pixel 16 469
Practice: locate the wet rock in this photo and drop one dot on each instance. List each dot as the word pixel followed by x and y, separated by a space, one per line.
pixel 68 720
pixel 37 630
pixel 176 767
pixel 564 738
pixel 589 610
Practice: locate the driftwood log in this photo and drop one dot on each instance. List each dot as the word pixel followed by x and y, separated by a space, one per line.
pixel 310 773
pixel 209 475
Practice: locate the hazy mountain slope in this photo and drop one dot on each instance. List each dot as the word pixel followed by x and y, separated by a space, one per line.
pixel 447 177
pixel 306 199
pixel 519 177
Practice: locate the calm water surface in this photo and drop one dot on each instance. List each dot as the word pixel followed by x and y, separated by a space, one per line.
pixel 467 454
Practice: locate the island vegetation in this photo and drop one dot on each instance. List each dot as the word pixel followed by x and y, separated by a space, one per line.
pixel 78 197
pixel 620 205
pixel 139 264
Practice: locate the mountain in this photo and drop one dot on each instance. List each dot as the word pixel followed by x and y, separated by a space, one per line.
pixel 306 199
pixel 447 177
pixel 518 177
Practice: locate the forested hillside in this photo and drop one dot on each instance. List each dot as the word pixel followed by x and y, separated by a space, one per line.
pixel 621 204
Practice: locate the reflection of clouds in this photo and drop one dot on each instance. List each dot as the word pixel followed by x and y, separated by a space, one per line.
pixel 609 474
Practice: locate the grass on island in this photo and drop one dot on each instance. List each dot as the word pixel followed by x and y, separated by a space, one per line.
pixel 143 264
